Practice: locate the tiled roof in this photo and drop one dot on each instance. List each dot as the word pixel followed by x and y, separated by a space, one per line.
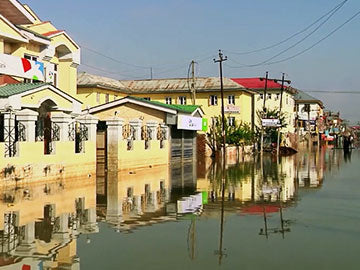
pixel 179 108
pixel 17 88
pixel 89 80
pixel 180 85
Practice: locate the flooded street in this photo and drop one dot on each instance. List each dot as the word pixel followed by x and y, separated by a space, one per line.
pixel 300 212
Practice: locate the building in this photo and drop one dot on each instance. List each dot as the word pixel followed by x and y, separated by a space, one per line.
pixel 271 99
pixel 39 112
pixel 309 113
pixel 95 90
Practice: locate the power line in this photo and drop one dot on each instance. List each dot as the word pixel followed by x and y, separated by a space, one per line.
pixel 331 92
pixel 292 36
pixel 109 72
pixel 305 50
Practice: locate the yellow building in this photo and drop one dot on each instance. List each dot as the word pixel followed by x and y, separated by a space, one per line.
pixel 95 90
pixel 272 99
pixel 43 133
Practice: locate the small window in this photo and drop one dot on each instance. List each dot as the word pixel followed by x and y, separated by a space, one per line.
pixel 98 97
pixel 231 121
pixel 268 96
pixel 213 100
pixel 231 100
pixel 182 100
pixel 30 57
pixel 261 96
pixel 168 100
pixel 277 96
pixel 107 98
pixel 147 98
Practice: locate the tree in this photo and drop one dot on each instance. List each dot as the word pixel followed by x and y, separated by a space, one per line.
pixel 239 134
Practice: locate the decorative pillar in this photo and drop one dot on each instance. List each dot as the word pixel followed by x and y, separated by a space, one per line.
pixel 154 201
pixel 136 124
pixel 90 122
pixel 62 120
pixel 114 135
pixel 28 118
pixel 152 125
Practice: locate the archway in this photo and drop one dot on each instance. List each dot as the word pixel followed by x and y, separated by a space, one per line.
pixel 44 130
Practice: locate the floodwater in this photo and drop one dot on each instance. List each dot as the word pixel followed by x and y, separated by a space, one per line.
pixel 299 212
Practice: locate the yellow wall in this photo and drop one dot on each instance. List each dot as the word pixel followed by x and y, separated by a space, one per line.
pixel 38 97
pixel 5 28
pixel 31 161
pixel 140 157
pixel 89 96
pixel 129 112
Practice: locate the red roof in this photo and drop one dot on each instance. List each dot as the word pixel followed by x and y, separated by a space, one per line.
pixel 52 33
pixel 256 83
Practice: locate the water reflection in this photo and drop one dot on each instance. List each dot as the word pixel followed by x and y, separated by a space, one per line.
pixel 40 223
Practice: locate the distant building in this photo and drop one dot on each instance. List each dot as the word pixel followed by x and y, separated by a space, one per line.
pixel 309 113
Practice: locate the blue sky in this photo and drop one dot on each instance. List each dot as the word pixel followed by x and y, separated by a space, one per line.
pixel 167 35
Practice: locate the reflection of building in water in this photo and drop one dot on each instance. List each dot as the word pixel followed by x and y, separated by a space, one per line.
pixel 310 168
pixel 150 195
pixel 136 198
pixel 251 181
pixel 40 223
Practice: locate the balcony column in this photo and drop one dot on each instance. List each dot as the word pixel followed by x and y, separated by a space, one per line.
pixel 63 232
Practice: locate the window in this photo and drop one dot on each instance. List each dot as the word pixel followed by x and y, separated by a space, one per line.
pixel 231 121
pixel 147 98
pixel 261 96
pixel 277 96
pixel 98 97
pixel 231 100
pixel 106 98
pixel 268 96
pixel 182 100
pixel 213 100
pixel 168 100
pixel 55 74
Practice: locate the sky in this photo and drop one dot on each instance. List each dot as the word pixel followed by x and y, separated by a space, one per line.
pixel 166 35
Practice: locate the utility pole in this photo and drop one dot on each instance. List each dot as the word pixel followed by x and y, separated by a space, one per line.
pixel 263 115
pixel 151 73
pixel 192 84
pixel 220 60
pixel 280 107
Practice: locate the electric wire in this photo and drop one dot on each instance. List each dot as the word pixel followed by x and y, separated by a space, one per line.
pixel 290 37
pixel 303 51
